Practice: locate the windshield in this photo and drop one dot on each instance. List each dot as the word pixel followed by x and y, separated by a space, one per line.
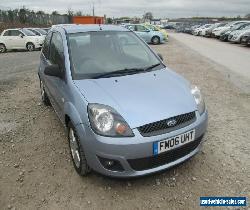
pixel 96 53
pixel 28 32
pixel 229 24
pixel 245 27
pixel 41 31
pixel 35 32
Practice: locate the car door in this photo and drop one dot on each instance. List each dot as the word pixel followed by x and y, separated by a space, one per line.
pixel 55 86
pixel 17 39
pixel 143 32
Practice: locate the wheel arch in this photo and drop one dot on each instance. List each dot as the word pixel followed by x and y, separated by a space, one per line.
pixel 156 36
pixel 1 43
pixel 29 42
pixel 71 115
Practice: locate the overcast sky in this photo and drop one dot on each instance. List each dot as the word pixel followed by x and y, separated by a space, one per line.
pixel 159 8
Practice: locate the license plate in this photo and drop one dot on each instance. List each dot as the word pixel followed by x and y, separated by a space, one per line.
pixel 173 142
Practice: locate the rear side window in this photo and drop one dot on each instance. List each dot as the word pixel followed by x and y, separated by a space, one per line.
pixel 13 33
pixel 46 45
pixel 56 50
pixel 6 33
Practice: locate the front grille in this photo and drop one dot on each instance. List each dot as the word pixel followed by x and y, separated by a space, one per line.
pixel 164 158
pixel 161 127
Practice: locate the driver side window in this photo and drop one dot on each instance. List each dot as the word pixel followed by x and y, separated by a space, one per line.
pixel 56 50
pixel 141 28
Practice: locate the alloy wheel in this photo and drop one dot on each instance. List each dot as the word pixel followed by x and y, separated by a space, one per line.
pixel 42 89
pixel 2 49
pixel 30 47
pixel 74 148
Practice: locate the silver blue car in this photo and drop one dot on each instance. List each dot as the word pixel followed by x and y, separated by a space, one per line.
pixel 148 35
pixel 126 114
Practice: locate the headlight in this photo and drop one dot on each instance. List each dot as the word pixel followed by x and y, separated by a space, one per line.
pixel 105 121
pixel 198 99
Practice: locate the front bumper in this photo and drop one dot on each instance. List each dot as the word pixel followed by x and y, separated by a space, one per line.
pixel 224 37
pixel 245 40
pixel 129 150
pixel 234 38
pixel 38 45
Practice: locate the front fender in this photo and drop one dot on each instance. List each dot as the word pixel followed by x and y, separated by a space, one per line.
pixel 72 113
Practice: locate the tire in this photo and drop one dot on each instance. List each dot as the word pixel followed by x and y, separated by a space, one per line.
pixel 155 40
pixel 44 96
pixel 76 152
pixel 30 46
pixel 2 48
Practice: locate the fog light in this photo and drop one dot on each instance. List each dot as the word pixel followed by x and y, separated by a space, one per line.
pixel 109 163
pixel 112 165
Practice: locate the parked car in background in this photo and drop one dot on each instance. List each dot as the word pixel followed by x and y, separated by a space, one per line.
pixel 46 29
pixel 225 34
pixel 208 32
pixel 171 27
pixel 245 39
pixel 38 31
pixel 157 28
pixel 148 35
pixel 235 36
pixel 198 31
pixel 13 39
pixel 126 114
pixel 219 30
pixel 204 29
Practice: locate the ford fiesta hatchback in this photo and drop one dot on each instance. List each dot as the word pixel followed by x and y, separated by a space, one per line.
pixel 125 112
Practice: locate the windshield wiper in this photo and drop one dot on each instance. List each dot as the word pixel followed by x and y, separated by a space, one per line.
pixel 126 71
pixel 119 72
pixel 151 67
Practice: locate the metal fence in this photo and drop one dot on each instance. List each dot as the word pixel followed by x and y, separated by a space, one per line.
pixel 29 17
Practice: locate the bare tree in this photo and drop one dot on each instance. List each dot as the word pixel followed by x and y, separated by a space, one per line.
pixel 79 13
pixel 148 16
pixel 70 14
pixel 54 13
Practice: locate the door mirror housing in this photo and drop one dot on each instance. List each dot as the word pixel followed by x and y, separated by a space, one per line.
pixel 160 56
pixel 21 35
pixel 53 70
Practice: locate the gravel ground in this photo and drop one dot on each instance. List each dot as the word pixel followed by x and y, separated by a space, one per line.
pixel 35 167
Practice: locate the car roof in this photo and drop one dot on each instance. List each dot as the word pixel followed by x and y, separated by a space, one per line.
pixel 13 29
pixel 77 28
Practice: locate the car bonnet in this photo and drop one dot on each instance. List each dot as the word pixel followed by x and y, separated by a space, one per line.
pixel 141 98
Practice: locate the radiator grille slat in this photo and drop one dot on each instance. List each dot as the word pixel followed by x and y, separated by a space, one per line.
pixel 161 127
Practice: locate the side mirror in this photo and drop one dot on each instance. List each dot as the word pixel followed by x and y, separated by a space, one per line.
pixel 21 35
pixel 160 56
pixel 147 31
pixel 53 70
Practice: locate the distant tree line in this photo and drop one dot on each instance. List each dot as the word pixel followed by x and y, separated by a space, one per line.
pixel 27 16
